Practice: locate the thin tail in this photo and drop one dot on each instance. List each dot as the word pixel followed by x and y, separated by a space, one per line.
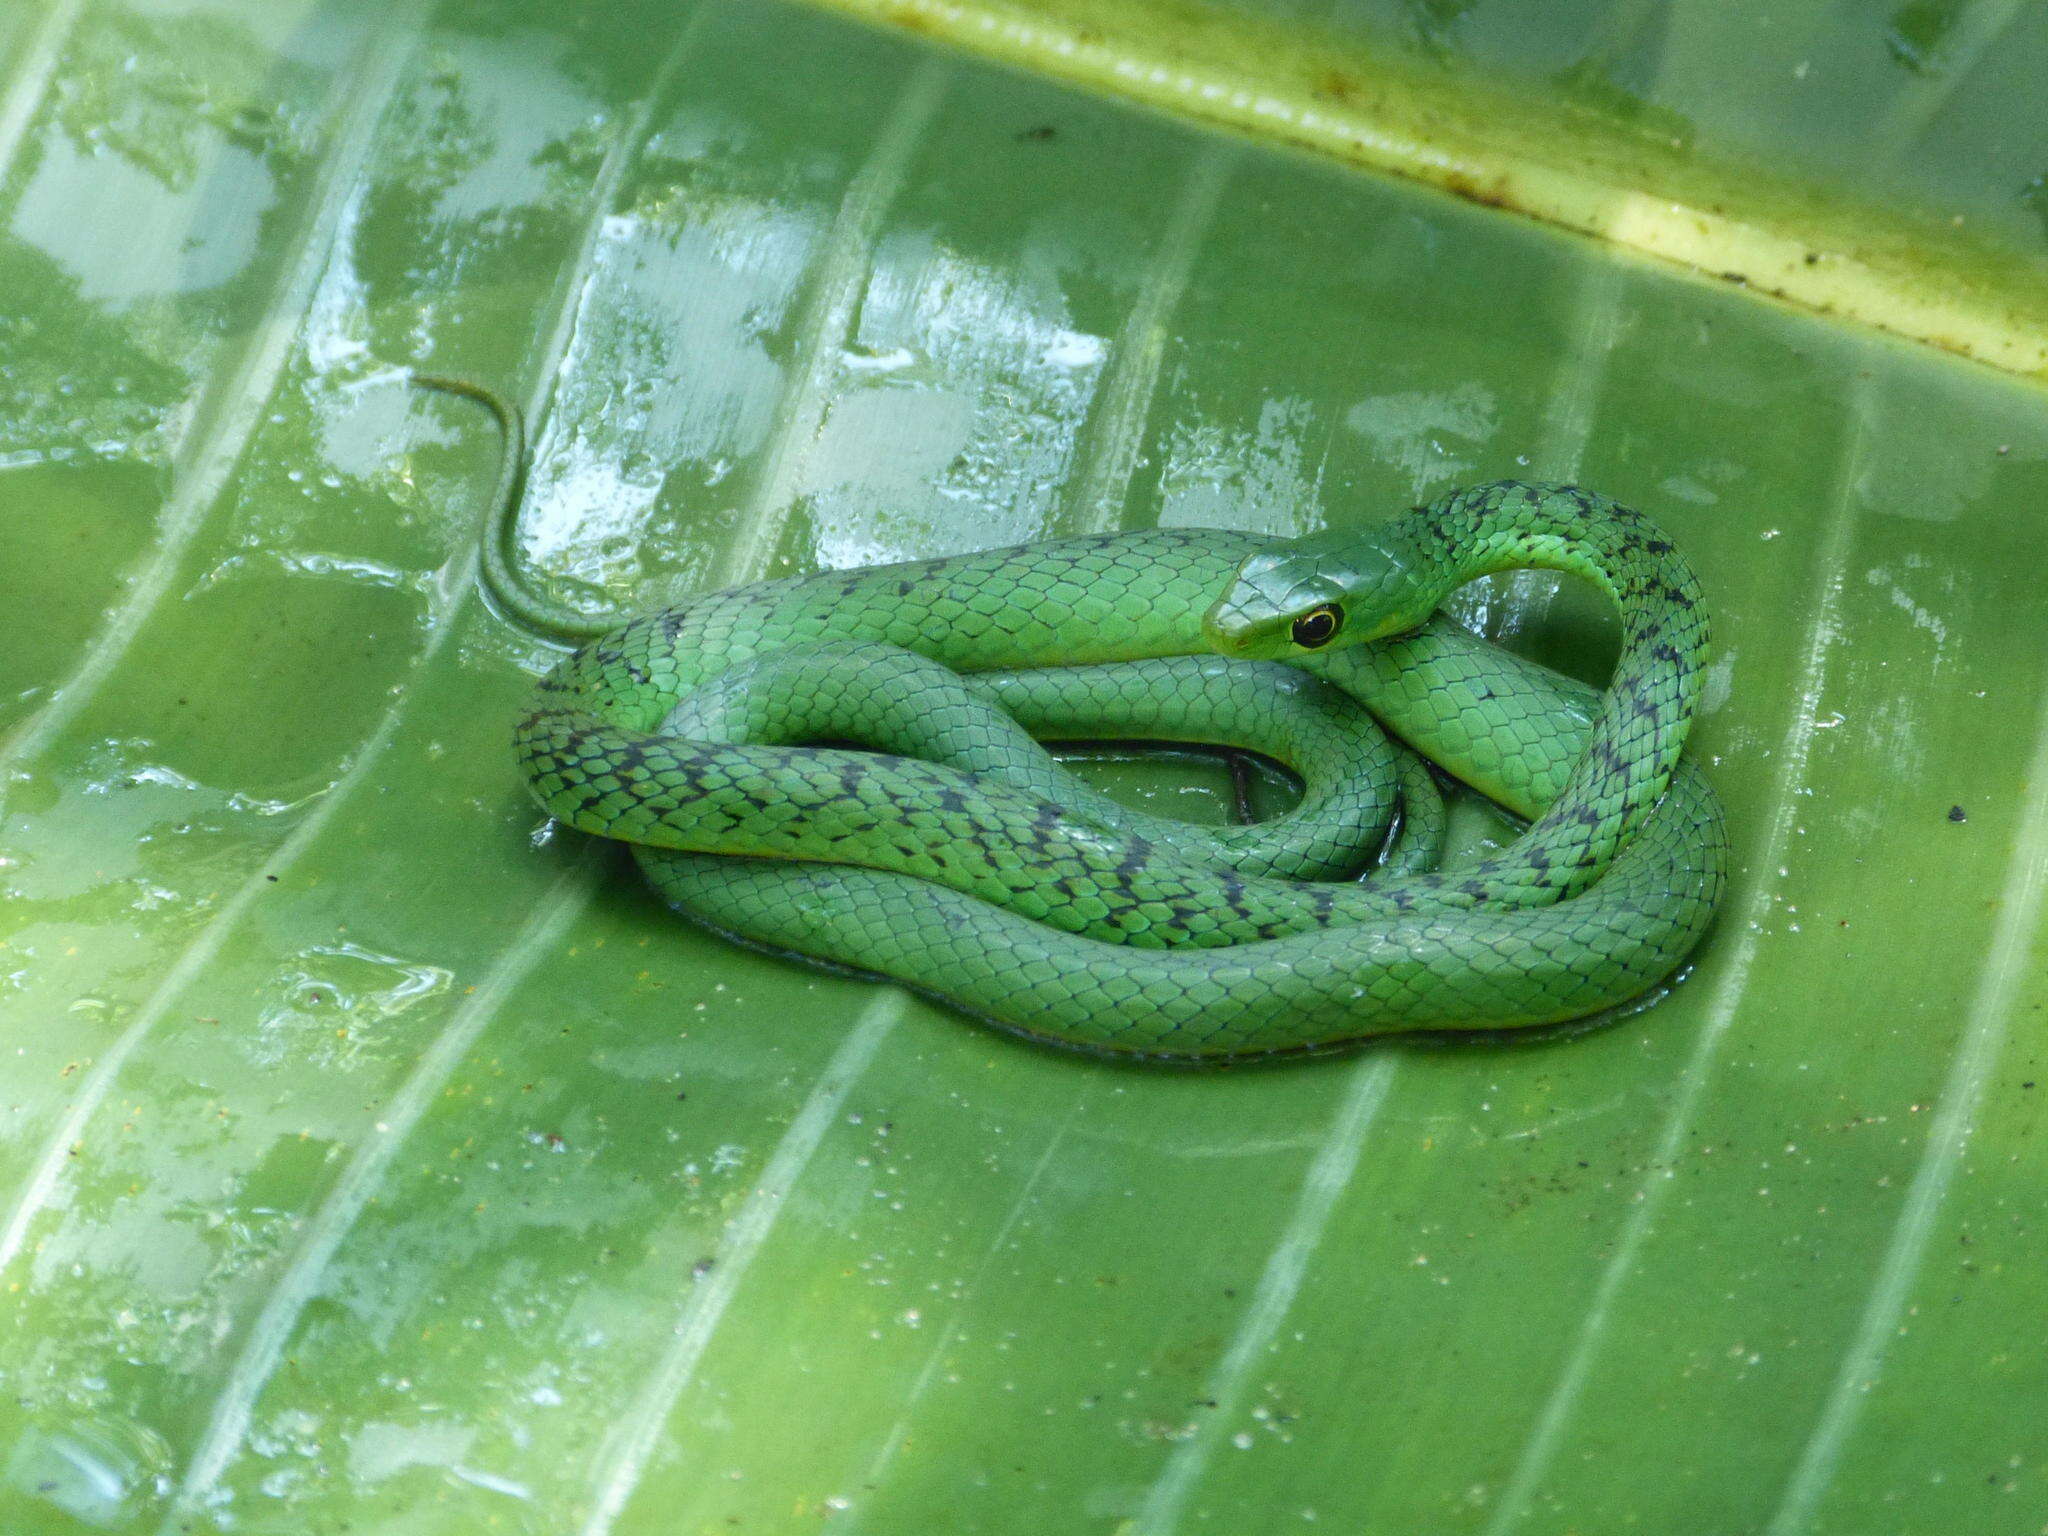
pixel 508 587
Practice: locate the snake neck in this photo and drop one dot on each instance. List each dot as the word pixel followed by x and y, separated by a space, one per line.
pixel 1514 525
pixel 1643 723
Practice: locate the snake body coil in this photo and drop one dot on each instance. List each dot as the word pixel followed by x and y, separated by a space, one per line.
pixel 961 861
pixel 955 856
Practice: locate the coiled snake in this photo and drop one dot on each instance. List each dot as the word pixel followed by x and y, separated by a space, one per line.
pixel 950 852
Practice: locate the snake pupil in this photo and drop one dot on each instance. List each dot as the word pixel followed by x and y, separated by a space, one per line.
pixel 1318 626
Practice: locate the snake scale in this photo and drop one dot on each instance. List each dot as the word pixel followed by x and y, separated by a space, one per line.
pixel 947 850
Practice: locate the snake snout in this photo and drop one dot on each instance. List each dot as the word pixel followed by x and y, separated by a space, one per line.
pixel 1231 627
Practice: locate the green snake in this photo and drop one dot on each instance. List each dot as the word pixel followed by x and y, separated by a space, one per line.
pixel 948 851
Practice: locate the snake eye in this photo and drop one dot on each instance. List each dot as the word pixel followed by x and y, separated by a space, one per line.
pixel 1318 627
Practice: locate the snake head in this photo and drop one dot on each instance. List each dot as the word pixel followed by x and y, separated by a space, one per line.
pixel 1338 587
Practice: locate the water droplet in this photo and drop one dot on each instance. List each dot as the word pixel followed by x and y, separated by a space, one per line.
pixel 103 1472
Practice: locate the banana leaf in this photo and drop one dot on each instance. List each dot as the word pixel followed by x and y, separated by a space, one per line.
pixel 374 1156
